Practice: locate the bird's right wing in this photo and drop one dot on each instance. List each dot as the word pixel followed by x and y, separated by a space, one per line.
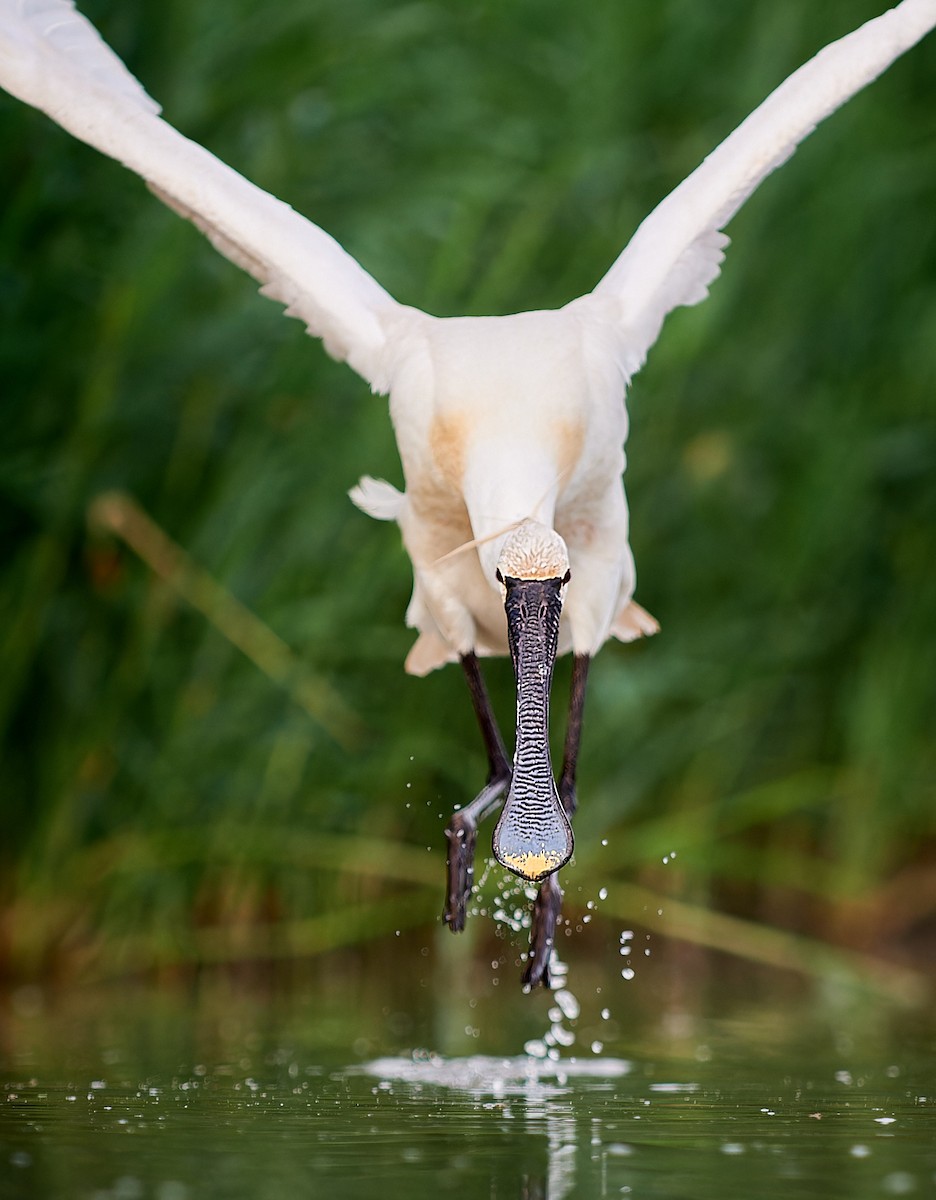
pixel 677 251
pixel 52 58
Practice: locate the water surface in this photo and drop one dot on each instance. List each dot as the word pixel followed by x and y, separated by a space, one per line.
pixel 232 1091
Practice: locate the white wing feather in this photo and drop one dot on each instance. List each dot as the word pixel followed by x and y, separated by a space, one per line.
pixel 54 59
pixel 677 251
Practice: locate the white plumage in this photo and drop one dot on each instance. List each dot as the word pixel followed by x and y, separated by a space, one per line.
pixel 499 420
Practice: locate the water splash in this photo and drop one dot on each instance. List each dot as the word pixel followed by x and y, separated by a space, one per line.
pixel 485 1075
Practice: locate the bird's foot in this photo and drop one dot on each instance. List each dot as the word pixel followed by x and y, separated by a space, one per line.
pixel 462 837
pixel 546 909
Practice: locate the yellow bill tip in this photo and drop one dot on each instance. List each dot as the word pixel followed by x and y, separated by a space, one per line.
pixel 532 866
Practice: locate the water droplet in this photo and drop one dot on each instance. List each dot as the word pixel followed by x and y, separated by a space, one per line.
pixel 568 1003
pixel 561 1036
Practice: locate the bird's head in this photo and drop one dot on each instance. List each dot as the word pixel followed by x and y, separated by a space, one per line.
pixel 533 569
pixel 533 551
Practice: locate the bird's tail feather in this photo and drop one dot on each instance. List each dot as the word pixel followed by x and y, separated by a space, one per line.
pixel 377 498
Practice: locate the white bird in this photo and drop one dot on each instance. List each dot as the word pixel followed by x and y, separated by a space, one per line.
pixel 510 429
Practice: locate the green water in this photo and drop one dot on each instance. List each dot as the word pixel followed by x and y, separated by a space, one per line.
pixel 689 1085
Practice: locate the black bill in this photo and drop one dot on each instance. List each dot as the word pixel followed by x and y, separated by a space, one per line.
pixel 533 837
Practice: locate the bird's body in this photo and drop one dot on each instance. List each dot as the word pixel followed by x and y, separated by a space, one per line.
pixel 498 420
pixel 510 429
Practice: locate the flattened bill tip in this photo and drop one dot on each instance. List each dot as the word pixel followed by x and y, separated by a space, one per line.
pixel 531 865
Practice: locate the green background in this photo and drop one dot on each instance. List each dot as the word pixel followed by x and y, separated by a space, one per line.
pixel 169 801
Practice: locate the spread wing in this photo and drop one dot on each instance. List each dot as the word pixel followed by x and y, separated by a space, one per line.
pixel 54 59
pixel 677 251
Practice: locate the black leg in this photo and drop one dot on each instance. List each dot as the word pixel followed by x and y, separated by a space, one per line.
pixel 573 738
pixel 548 903
pixel 546 909
pixel 462 829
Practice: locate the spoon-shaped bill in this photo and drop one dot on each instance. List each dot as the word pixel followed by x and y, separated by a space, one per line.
pixel 533 837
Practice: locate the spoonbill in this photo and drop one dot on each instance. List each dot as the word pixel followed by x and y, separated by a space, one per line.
pixel 510 429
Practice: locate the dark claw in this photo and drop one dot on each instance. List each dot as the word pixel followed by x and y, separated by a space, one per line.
pixel 546 909
pixel 462 836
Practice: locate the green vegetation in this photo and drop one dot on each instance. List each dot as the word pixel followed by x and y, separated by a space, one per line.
pixel 210 750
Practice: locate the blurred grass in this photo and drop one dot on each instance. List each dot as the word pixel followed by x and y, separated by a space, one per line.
pixel 156 783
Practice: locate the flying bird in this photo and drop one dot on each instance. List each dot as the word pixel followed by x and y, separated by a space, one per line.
pixel 510 429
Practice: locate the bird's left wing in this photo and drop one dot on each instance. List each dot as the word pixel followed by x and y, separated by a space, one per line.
pixel 677 251
pixel 54 59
